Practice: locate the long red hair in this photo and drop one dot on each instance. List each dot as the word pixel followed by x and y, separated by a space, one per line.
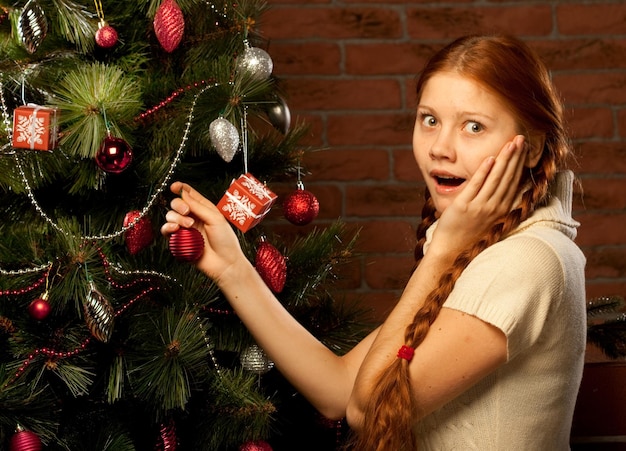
pixel 513 72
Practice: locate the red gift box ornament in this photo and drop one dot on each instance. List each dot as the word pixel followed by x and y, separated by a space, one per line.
pixel 246 202
pixel 35 127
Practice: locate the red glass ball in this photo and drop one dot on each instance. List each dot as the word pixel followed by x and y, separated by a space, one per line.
pixel 25 441
pixel 187 245
pixel 257 445
pixel 114 155
pixel 39 309
pixel 301 207
pixel 106 36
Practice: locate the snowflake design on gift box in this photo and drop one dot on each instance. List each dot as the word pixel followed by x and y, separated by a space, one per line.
pixel 239 207
pixel 30 129
pixel 255 188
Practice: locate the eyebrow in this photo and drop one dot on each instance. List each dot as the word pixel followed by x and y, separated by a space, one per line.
pixel 462 113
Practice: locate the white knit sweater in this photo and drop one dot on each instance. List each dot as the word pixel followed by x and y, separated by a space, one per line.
pixel 532 287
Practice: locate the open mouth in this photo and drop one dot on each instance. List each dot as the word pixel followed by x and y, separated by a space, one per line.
pixel 449 181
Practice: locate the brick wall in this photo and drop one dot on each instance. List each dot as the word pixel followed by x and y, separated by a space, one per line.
pixel 349 67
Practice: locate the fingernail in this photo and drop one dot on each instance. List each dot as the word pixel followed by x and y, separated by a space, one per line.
pixel 188 222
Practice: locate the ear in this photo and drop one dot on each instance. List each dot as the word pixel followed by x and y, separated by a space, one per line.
pixel 535 151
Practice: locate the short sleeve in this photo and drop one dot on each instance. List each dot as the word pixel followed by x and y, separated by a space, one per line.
pixel 512 285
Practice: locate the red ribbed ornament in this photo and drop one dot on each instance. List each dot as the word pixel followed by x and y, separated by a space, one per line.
pixel 271 266
pixel 300 207
pixel 187 245
pixel 169 25
pixel 24 440
pixel 257 445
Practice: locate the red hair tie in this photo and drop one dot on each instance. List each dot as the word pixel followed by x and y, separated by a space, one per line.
pixel 406 352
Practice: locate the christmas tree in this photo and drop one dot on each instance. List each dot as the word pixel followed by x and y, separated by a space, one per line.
pixel 109 338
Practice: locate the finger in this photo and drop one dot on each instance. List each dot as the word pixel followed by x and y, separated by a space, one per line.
pixel 501 179
pixel 168 228
pixel 507 189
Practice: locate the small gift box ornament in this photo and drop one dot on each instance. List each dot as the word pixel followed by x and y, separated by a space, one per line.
pixel 246 202
pixel 35 127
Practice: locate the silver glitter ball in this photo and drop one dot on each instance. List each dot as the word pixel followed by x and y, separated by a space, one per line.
pixel 257 62
pixel 225 138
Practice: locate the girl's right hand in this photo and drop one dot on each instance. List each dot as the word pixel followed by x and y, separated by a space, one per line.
pixel 222 250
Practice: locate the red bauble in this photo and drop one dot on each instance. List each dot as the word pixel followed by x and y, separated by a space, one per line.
pixel 39 309
pixel 301 207
pixel 271 266
pixel 106 36
pixel 187 245
pixel 257 445
pixel 114 155
pixel 169 25
pixel 140 235
pixel 25 441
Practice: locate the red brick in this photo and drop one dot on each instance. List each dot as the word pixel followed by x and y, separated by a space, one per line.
pixel 449 23
pixel 340 164
pixel 585 123
pixel 383 200
pixel 602 158
pixel 576 54
pixel 337 94
pixel 388 272
pixel 311 58
pixel 590 88
pixel 598 229
pixel 331 23
pixel 370 129
pixel 607 262
pixel 387 236
pixel 374 58
pixel 404 166
pixel 602 194
pixel 591 19
pixel 621 123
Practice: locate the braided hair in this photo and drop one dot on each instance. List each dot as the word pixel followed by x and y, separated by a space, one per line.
pixel 513 72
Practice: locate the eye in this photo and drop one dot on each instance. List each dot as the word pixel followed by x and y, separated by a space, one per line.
pixel 428 120
pixel 474 127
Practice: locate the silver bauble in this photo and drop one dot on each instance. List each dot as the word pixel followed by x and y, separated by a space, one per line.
pixel 253 359
pixel 257 62
pixel 225 138
pixel 32 26
pixel 99 314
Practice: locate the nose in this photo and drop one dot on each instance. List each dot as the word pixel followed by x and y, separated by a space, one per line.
pixel 442 147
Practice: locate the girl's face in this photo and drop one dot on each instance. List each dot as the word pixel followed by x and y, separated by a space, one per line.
pixel 459 124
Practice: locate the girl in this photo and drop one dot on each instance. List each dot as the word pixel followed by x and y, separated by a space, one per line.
pixel 484 349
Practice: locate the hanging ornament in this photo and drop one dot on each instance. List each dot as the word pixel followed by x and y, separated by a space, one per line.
pixel 256 445
pixel 114 155
pixel 279 115
pixel 271 266
pixel 32 26
pixel 140 235
pixel 254 359
pixel 169 25
pixel 225 138
pixel 99 314
pixel 186 245
pixel 167 437
pixel 255 61
pixel 24 440
pixel 40 308
pixel 300 207
pixel 106 36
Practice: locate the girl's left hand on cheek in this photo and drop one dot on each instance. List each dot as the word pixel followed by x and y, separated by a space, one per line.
pixel 489 195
